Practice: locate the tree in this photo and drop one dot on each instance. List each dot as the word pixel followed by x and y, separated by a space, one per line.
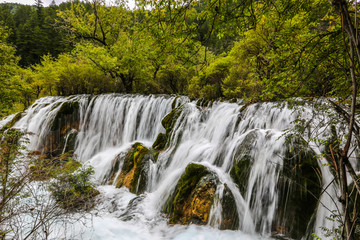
pixel 8 67
pixel 24 209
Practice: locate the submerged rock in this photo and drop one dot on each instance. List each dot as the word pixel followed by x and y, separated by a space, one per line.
pixel 193 197
pixel 134 171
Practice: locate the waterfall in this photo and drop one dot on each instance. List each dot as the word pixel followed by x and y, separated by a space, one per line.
pixel 218 136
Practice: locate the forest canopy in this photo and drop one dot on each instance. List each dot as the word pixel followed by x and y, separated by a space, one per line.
pixel 213 49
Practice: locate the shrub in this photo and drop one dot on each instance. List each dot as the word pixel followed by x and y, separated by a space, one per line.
pixel 74 191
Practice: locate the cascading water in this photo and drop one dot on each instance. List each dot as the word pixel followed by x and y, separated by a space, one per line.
pixel 215 136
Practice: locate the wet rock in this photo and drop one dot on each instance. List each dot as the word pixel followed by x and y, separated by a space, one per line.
pixel 299 184
pixel 168 122
pixel 10 124
pixel 193 197
pixel 133 211
pixel 160 142
pixel 230 217
pixel 299 189
pixel 69 141
pixel 67 120
pixel 243 162
pixel 174 103
pixel 134 172
pixel 114 169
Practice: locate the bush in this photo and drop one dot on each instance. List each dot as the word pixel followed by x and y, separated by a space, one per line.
pixel 74 191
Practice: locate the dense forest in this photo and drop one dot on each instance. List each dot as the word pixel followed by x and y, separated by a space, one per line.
pixel 255 50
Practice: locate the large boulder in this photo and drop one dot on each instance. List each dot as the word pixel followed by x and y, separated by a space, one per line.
pixel 299 189
pixel 135 169
pixel 194 196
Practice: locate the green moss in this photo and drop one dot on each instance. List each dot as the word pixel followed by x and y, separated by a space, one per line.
pixel 187 183
pixel 168 123
pixel 243 162
pixel 173 104
pixel 160 142
pixel 240 172
pixel 130 157
pixel 169 120
pixel 134 172
pixel 12 122
pixel 139 175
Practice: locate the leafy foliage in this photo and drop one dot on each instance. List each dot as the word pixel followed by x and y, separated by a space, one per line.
pixel 74 191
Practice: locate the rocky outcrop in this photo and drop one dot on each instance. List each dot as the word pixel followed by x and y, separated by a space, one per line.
pixel 299 189
pixel 66 122
pixel 193 197
pixel 168 122
pixel 135 169
pixel 299 184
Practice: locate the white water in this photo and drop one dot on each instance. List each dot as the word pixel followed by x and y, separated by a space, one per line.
pixel 110 124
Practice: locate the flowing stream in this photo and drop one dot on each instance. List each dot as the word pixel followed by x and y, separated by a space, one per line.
pixel 211 136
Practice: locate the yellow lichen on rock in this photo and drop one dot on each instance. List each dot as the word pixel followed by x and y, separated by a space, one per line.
pixel 133 174
pixel 202 201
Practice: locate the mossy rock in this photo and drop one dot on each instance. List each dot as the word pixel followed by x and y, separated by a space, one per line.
pixel 243 162
pixel 114 169
pixel 191 202
pixel 160 142
pixel 173 104
pixel 12 122
pixel 299 189
pixel 204 102
pixel 230 217
pixel 134 172
pixel 194 195
pixel 169 120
